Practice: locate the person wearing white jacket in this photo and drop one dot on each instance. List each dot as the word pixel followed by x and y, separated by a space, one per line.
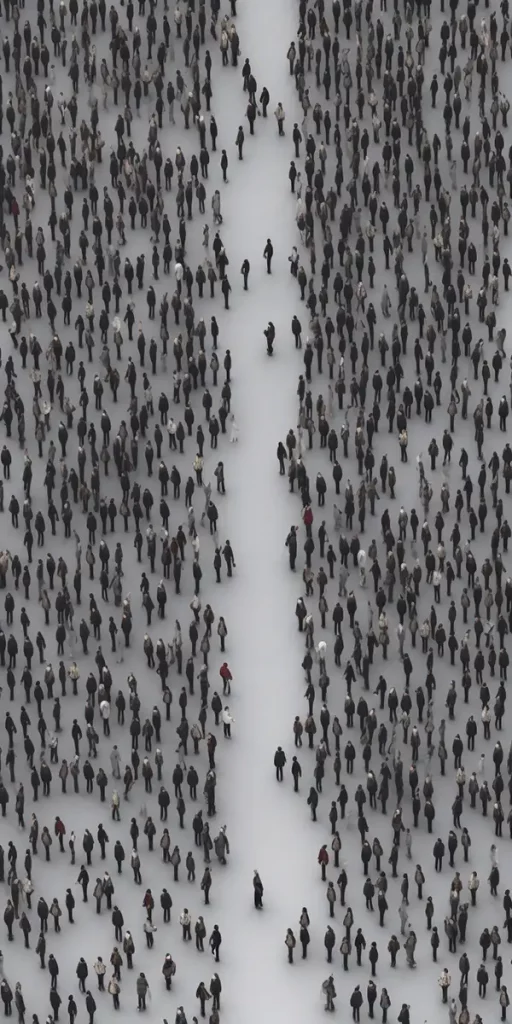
pixel 280 118
pixel 185 922
pixel 234 430
pixel 227 721
pixel 321 651
pixel 361 562
pixel 178 274
pixel 100 970
pixel 115 762
pixel 444 983
pixel 149 930
pixel 105 716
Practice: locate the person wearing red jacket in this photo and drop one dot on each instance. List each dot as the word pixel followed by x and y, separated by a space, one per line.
pixel 307 519
pixel 226 676
pixel 60 832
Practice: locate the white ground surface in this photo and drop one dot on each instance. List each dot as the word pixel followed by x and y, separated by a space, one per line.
pixel 269 828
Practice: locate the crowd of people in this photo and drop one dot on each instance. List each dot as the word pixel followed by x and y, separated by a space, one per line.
pixel 118 378
pixel 401 468
pixel 113 474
